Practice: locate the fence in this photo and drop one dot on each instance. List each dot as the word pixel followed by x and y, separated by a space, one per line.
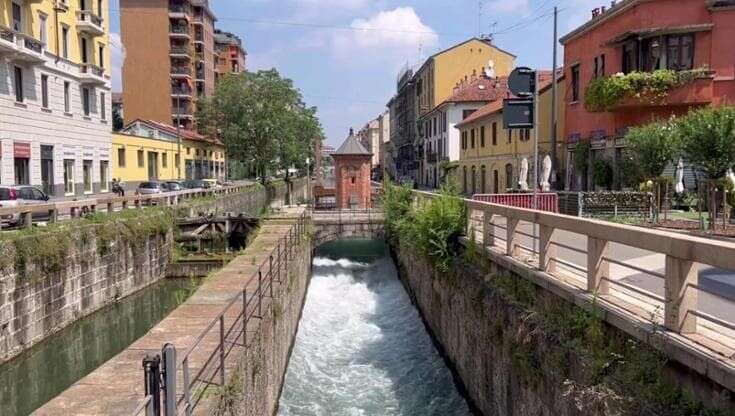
pixel 210 349
pixel 548 202
pixel 605 204
pixel 77 208
pixel 651 275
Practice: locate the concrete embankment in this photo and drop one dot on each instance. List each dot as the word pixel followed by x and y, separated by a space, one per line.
pixel 52 277
pixel 518 348
pixel 116 387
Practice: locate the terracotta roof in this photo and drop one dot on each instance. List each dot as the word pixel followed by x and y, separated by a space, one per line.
pixel 545 80
pixel 352 146
pixel 480 89
pixel 185 133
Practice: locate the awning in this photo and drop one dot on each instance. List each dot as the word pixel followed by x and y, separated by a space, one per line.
pixel 657 31
pixel 22 150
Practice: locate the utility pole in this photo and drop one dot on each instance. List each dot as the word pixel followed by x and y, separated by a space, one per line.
pixel 535 154
pixel 554 168
pixel 178 133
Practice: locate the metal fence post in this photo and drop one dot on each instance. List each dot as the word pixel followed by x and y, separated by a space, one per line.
pixel 187 393
pixel 152 381
pixel 244 318
pixel 169 377
pixel 222 349
pixel 260 293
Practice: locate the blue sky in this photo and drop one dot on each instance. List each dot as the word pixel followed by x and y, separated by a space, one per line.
pixel 344 55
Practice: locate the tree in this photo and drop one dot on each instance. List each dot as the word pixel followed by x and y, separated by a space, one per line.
pixel 262 120
pixel 653 147
pixel 117 120
pixel 707 139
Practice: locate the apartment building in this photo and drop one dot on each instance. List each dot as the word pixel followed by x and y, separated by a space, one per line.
pixel 170 59
pixel 491 157
pixel 55 100
pixel 369 137
pixel 231 55
pixel 440 139
pixel 402 128
pixel 645 36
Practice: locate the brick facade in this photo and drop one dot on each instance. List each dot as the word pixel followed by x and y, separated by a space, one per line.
pixel 352 180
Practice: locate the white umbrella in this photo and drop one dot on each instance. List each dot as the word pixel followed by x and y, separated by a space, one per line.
pixel 523 177
pixel 679 188
pixel 546 174
pixel 731 176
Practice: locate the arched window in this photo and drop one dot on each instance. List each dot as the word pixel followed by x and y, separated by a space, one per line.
pixel 509 176
pixel 496 185
pixel 474 180
pixel 464 180
pixel 482 179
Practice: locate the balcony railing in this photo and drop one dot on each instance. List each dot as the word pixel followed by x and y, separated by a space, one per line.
pixel 7 34
pixel 179 30
pixel 20 47
pixel 180 50
pixel 88 21
pixel 179 9
pixel 92 74
pixel 176 90
pixel 181 70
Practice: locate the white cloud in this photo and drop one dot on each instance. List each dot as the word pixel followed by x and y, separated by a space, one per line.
pixel 117 57
pixel 387 37
pixel 343 4
pixel 509 6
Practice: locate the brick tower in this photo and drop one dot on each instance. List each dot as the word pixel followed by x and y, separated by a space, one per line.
pixel 352 167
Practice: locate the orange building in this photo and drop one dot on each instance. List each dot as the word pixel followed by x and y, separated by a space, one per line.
pixel 231 54
pixel 644 36
pixel 352 174
pixel 170 58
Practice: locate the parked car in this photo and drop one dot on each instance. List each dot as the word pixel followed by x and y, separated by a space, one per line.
pixel 213 183
pixel 151 188
pixel 174 186
pixel 18 196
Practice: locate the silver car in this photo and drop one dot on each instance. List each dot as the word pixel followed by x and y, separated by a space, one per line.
pixel 151 188
pixel 15 196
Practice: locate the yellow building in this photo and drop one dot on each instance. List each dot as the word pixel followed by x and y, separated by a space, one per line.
pixel 490 156
pixel 439 75
pixel 55 100
pixel 147 150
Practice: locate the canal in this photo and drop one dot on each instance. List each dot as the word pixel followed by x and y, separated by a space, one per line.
pixel 38 375
pixel 361 347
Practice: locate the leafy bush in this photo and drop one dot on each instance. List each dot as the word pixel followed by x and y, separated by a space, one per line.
pixel 397 201
pixel 581 155
pixel 605 93
pixel 602 173
pixel 652 146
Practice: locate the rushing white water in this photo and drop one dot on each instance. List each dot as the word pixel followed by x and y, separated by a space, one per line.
pixel 362 349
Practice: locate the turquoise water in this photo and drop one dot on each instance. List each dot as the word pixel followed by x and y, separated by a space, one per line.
pixel 37 376
pixel 362 348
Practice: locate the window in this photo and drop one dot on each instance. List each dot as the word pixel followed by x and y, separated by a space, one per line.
pixel 18 84
pixel 104 176
pixel 177 160
pixel 103 104
pixel 17 17
pixel 85 51
pixel 65 42
pixel 42 28
pixel 651 54
pixel 141 159
pixel 464 180
pixel 85 101
pixel 575 83
pixel 630 56
pixel 509 176
pixel 482 136
pixel 510 136
pixel 495 134
pixel 21 171
pixel 69 176
pixel 101 54
pixel 472 138
pixel 164 160
pixel 435 130
pixel 599 66
pixel 87 176
pixel 680 52
pixel 464 140
pixel 188 150
pixel 44 91
pixel 467 113
pixel 67 102
pixel 121 157
pixel 99 8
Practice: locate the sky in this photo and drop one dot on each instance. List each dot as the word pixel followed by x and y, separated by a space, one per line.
pixel 345 55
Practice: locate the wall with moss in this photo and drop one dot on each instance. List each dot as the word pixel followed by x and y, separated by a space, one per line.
pixel 518 349
pixel 50 277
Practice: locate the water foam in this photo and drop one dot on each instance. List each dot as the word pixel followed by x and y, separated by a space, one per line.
pixel 362 349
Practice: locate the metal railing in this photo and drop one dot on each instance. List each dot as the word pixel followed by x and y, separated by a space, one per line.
pixel 179 29
pixel 91 69
pixel 7 34
pixel 544 201
pixel 89 17
pixel 181 70
pixel 76 208
pixel 607 261
pixel 29 43
pixel 208 353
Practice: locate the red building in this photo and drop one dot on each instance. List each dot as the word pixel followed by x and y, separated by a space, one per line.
pixel 646 35
pixel 352 167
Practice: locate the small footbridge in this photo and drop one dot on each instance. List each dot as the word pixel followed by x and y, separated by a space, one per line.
pixel 330 225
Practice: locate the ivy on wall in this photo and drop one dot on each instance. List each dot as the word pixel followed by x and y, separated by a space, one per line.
pixel 605 93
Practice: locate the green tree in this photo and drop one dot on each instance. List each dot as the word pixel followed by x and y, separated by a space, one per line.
pixel 707 139
pixel 652 146
pixel 262 120
pixel 117 120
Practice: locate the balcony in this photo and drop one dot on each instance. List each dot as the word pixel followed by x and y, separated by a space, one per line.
pixel 699 91
pixel 90 23
pixel 181 72
pixel 180 52
pixel 179 11
pixel 90 74
pixel 181 92
pixel 431 157
pixel 198 20
pixel 179 32
pixel 181 113
pixel 198 37
pixel 19 47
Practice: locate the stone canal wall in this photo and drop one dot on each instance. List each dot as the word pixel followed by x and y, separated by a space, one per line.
pixel 517 348
pixel 51 277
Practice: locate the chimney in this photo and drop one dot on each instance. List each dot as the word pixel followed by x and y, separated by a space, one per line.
pixel 352 131
pixel 595 12
pixel 474 75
